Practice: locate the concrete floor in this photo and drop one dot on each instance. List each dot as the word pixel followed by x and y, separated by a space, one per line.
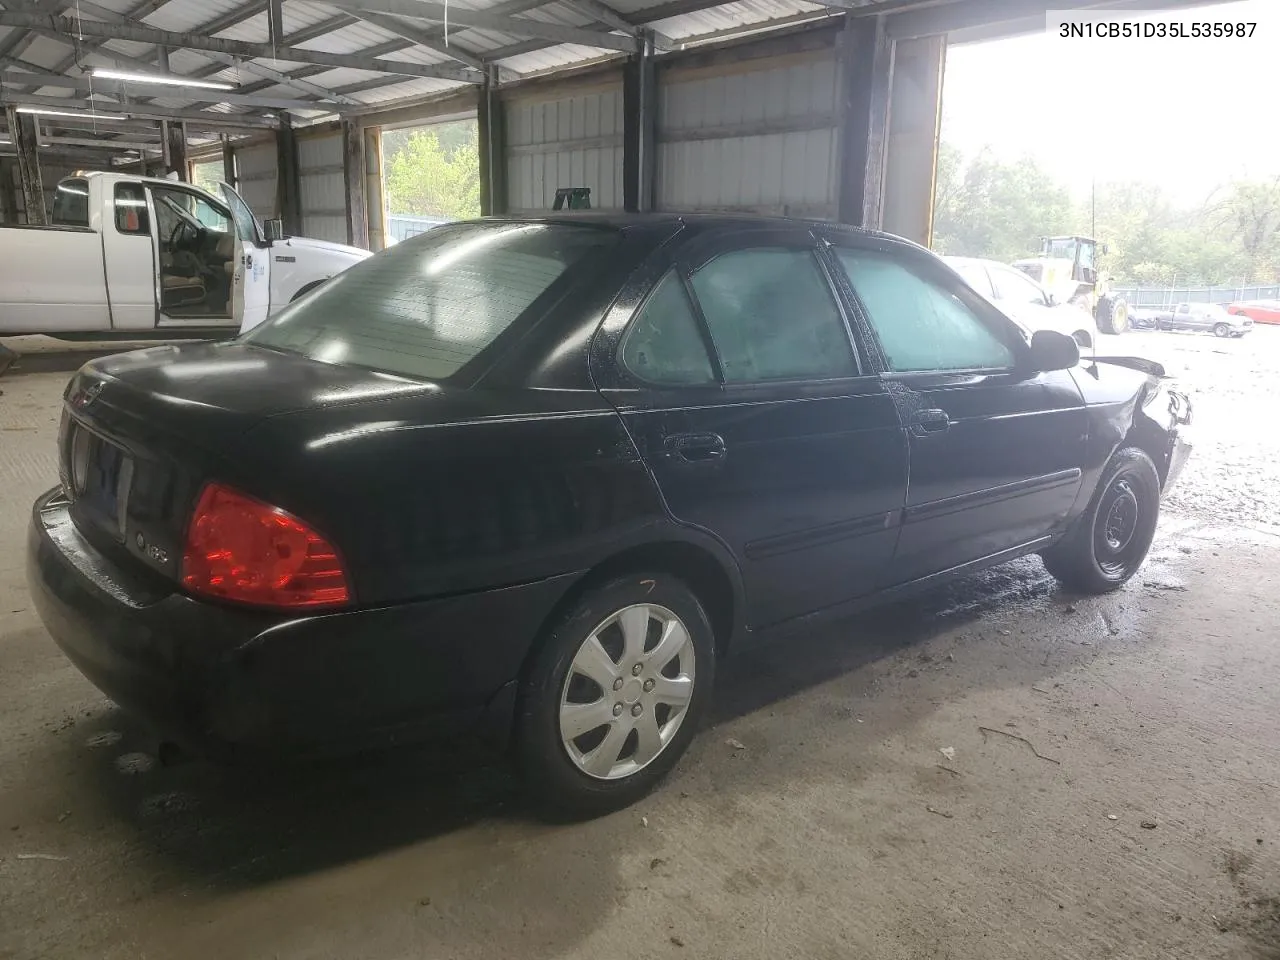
pixel 996 771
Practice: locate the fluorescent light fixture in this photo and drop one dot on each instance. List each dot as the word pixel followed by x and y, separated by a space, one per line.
pixel 109 74
pixel 79 115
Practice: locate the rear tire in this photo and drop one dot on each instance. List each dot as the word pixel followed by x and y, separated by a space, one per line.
pixel 1108 543
pixel 614 694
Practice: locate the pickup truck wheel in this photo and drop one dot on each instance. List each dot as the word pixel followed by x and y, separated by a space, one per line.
pixel 613 695
pixel 1109 542
pixel 1221 330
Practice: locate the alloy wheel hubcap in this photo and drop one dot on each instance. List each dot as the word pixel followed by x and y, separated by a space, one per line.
pixel 627 692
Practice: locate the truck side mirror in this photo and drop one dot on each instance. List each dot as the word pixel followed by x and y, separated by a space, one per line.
pixel 273 230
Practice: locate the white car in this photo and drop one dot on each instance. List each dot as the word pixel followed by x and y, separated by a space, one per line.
pixel 137 257
pixel 1022 299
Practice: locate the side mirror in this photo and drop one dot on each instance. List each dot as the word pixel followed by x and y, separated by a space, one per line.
pixel 1051 350
pixel 273 230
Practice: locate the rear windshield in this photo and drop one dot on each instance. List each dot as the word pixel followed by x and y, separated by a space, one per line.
pixel 426 307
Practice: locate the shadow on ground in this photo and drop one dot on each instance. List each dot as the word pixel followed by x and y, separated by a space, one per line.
pixel 236 827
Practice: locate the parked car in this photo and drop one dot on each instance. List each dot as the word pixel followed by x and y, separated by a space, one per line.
pixel 1146 318
pixel 1207 317
pixel 136 257
pixel 1024 300
pixel 1259 311
pixel 536 477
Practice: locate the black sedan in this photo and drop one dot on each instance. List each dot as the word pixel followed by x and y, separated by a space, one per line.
pixel 536 477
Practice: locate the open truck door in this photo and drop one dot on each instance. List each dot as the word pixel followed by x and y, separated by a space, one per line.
pixel 251 283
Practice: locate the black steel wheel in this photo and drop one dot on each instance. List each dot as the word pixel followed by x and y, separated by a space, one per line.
pixel 1108 543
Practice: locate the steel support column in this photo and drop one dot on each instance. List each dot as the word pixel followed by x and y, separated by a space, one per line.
pixel 229 162
pixel 491 117
pixel 25 137
pixel 866 74
pixel 640 127
pixel 375 207
pixel 8 191
pixel 915 119
pixel 354 178
pixel 175 139
pixel 288 178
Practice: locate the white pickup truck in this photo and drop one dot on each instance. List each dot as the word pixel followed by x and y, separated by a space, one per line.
pixel 135 257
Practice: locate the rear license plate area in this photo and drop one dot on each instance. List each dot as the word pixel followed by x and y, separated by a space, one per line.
pixel 99 472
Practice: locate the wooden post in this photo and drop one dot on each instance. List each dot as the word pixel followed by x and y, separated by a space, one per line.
pixel 288 177
pixel 353 174
pixel 375 206
pixel 22 131
pixel 866 74
pixel 911 154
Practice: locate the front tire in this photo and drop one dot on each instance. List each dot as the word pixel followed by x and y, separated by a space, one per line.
pixel 1108 543
pixel 1221 330
pixel 614 694
pixel 1113 315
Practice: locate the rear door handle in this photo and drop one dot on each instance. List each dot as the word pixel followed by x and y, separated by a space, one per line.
pixel 696 447
pixel 927 423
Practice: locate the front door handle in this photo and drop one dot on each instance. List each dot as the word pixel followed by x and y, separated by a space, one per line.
pixel 696 447
pixel 928 423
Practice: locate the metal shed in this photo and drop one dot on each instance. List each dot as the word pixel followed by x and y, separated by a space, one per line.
pixel 815 108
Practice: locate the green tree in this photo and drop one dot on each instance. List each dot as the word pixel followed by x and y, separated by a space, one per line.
pixel 424 179
pixel 1250 213
pixel 998 210
pixel 990 208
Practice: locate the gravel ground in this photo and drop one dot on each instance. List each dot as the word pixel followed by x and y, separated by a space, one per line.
pixel 994 771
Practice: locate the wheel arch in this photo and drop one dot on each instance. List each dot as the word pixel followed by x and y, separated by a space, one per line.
pixel 307 288
pixel 701 562
pixel 1151 438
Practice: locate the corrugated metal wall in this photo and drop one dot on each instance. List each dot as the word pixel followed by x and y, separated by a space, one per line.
pixel 752 136
pixel 256 168
pixel 570 141
pixel 323 187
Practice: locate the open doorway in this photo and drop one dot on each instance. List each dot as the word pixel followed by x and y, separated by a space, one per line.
pixel 431 175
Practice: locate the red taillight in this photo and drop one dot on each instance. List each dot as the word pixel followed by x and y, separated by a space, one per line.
pixel 242 549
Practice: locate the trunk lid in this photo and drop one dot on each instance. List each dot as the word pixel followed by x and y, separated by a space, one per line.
pixel 141 432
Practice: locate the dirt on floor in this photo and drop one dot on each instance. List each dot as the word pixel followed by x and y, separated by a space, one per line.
pixel 996 770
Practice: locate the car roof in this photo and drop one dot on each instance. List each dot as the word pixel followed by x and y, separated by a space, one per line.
pixel 697 221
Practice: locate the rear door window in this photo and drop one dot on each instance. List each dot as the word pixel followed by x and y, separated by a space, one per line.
pixel 71 204
pixel 773 316
pixel 664 344
pixel 428 306
pixel 131 214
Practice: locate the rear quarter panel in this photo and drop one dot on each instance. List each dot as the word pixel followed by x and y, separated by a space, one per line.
pixel 499 489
